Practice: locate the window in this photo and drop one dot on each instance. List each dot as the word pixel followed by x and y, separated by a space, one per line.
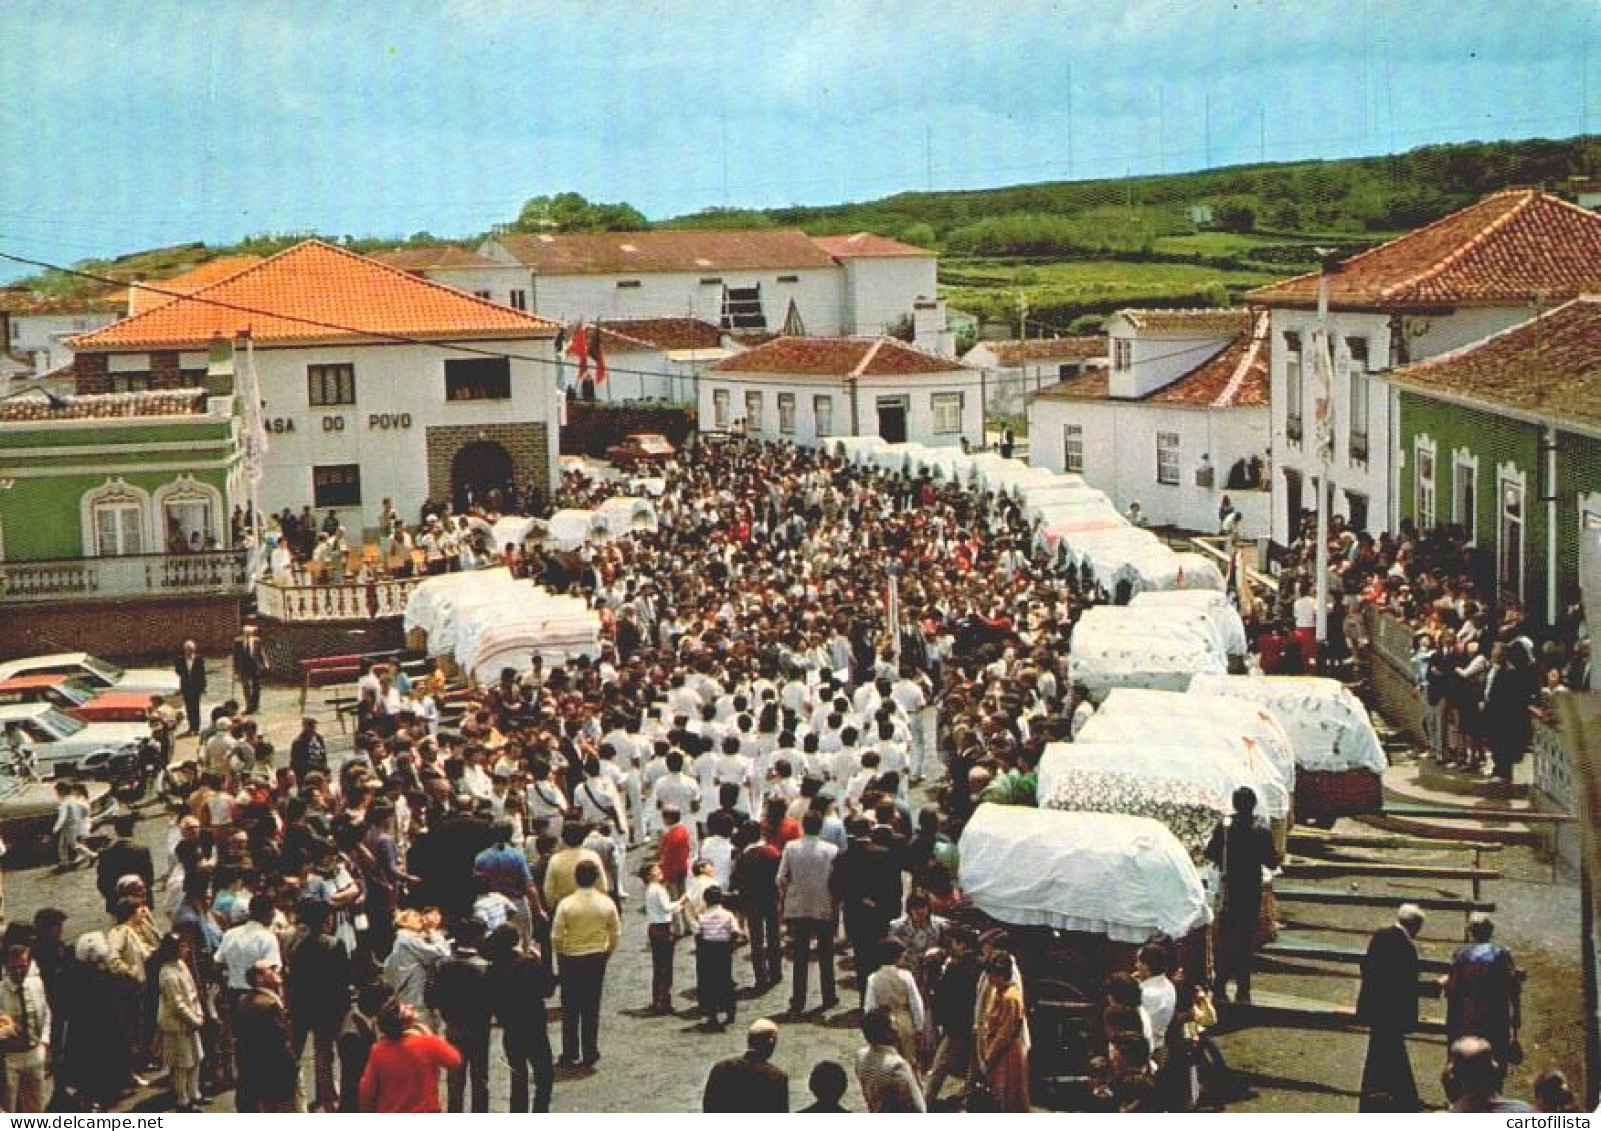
pixel 628 284
pixel 1464 495
pixel 720 399
pixel 478 379
pixel 130 382
pixel 786 413
pixel 742 308
pixel 1356 371
pixel 712 281
pixel 487 296
pixel 1356 511
pixel 1292 387
pixel 947 413
pixel 753 411
pixel 1509 551
pixel 1423 512
pixel 823 413
pixel 789 278
pixel 328 386
pixel 1073 448
pixel 336 485
pixel 1167 458
pixel 119 527
pixel 519 300
pixel 1122 354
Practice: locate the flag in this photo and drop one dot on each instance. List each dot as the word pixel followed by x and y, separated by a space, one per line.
pixel 597 355
pixel 253 446
pixel 579 347
pixel 1323 396
pixel 563 380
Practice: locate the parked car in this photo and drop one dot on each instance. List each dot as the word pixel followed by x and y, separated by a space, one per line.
pixel 62 746
pixel 641 449
pixel 71 695
pixel 95 672
pixel 28 813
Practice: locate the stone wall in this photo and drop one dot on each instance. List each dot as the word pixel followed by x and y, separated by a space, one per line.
pixel 525 443
pixel 288 643
pixel 147 630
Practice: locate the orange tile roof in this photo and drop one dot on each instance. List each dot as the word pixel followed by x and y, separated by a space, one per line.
pixel 1091 385
pixel 866 245
pixel 444 258
pixel 1235 377
pixel 159 292
pixel 316 292
pixel 660 334
pixel 1548 367
pixel 688 251
pixel 1222 322
pixel 29 406
pixel 838 357
pixel 1510 247
pixel 1014 352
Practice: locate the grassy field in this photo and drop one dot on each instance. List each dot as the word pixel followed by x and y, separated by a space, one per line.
pixel 1060 293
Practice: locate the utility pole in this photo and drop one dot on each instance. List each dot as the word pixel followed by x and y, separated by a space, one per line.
pixel 1070 115
pixel 1161 128
pixel 1209 129
pixel 928 157
pixel 1022 315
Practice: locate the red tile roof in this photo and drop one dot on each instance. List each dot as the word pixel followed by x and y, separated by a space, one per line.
pixel 865 245
pixel 104 406
pixel 1548 367
pixel 660 334
pixel 1511 247
pixel 1235 377
pixel 1013 352
pixel 160 291
pixel 1091 385
pixel 316 292
pixel 685 252
pixel 435 258
pixel 838 357
pixel 1221 322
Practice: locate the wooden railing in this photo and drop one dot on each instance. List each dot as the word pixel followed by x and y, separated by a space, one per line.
pixel 350 600
pixel 144 575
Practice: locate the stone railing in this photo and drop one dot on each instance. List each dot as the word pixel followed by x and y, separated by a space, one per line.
pixel 351 600
pixel 144 575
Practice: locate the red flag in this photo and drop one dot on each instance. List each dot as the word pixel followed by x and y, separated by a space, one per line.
pixel 579 348
pixel 598 356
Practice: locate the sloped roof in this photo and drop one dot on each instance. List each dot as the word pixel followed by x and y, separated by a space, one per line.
pixel 1221 322
pixel 688 251
pixel 838 357
pixel 1510 247
pixel 1091 385
pixel 316 292
pixel 866 245
pixel 446 258
pixel 159 292
pixel 1235 377
pixel 22 302
pixel 1013 352
pixel 660 334
pixel 1548 367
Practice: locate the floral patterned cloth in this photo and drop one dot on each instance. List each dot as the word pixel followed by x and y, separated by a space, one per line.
pixel 1188 810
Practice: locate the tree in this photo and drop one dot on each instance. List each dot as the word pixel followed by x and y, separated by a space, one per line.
pixel 919 234
pixel 1235 214
pixel 570 212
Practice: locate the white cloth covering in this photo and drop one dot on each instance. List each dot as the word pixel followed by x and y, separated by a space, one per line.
pixel 1328 725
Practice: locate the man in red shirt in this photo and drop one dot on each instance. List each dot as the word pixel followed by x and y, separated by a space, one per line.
pixel 673 850
pixel 403 1069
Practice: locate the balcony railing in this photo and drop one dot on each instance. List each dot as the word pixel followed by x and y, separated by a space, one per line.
pixel 350 600
pixel 143 575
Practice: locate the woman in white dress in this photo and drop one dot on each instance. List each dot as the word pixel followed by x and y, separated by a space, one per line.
pixel 179 1019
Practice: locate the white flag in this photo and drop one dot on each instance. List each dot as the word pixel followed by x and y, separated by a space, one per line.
pixel 253 444
pixel 1323 396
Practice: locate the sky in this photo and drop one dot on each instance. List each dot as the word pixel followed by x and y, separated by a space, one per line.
pixel 132 125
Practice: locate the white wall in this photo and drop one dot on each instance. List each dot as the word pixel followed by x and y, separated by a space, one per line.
pixel 33 333
pixel 590 297
pixel 1120 456
pixel 1157 360
pixel 498 281
pixel 394 380
pixel 879 291
pixel 919 393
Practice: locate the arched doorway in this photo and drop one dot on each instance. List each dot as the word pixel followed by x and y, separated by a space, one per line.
pixel 477 469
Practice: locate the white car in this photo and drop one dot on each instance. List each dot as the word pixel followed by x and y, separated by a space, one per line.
pixel 95 672
pixel 62 746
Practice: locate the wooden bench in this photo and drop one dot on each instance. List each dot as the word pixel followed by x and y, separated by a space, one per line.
pixel 1290 951
pixel 327 671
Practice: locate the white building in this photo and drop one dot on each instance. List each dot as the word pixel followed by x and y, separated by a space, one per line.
pixel 465 402
pixel 1015 368
pixel 38 327
pixel 804 390
pixel 1460 279
pixel 1178 421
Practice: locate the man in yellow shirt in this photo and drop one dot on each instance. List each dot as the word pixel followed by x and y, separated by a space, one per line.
pixel 584 934
pixel 561 872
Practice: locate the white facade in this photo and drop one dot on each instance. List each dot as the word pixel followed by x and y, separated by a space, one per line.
pixel 879 292
pixel 43 337
pixel 1117 444
pixel 1360 475
pixel 939 409
pixel 1008 387
pixel 399 396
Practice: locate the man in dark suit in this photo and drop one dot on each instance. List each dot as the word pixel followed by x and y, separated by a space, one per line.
pixel 249 665
pixel 262 1048
pixel 749 1083
pixel 1388 1005
pixel 122 857
pixel 191 671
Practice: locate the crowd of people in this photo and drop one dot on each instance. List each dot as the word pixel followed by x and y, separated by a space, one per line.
pixel 755 757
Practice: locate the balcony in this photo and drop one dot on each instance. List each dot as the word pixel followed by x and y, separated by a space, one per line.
pixel 115 579
pixel 1292 427
pixel 344 601
pixel 1359 448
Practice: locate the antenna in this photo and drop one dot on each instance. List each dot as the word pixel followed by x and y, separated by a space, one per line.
pixel 1209 129
pixel 928 157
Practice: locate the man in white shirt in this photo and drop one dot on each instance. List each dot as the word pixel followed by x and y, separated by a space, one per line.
pixel 250 942
pixel 1158 996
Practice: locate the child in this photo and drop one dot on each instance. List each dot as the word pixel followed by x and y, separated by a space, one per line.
pixel 661 911
pixel 714 959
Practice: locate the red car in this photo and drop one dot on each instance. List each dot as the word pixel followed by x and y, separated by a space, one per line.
pixel 72 696
pixel 642 449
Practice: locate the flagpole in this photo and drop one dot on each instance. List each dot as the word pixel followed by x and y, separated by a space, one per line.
pixel 1323 364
